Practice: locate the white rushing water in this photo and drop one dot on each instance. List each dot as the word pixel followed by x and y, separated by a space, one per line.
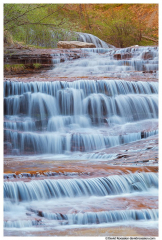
pixel 87 37
pixel 49 188
pixel 111 62
pixel 59 117
pixel 24 199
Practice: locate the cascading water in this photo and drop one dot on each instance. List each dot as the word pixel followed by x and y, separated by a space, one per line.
pixel 87 37
pixel 46 189
pixel 60 116
pixel 81 120
pixel 104 217
pixel 111 62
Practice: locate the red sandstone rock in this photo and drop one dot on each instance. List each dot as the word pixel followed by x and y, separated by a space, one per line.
pixel 147 55
pixel 119 56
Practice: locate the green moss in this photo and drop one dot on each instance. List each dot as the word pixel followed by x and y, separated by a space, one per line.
pixel 36 65
pixel 14 67
pixel 35 46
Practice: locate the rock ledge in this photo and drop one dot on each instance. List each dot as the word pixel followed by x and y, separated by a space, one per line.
pixel 74 44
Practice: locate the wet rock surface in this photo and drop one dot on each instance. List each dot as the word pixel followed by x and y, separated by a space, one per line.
pixel 119 56
pixel 44 58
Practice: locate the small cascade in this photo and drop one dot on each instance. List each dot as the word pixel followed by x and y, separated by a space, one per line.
pixel 89 38
pixel 31 104
pixel 70 101
pixel 99 156
pixel 50 188
pixel 26 125
pixel 21 223
pixel 131 107
pixel 56 143
pixel 104 217
pixel 89 218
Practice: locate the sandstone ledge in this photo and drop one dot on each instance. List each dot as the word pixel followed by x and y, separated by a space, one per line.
pixel 74 44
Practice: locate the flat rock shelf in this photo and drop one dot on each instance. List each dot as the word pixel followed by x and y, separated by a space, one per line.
pixel 81 143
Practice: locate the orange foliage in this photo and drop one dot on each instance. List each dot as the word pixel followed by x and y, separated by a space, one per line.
pixel 146 14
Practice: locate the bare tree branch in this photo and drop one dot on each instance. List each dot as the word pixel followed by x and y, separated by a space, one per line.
pixel 9 10
pixel 44 24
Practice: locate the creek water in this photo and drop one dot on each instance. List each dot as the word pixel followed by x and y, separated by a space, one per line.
pixel 79 120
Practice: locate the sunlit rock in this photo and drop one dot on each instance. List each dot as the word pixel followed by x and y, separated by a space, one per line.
pixel 74 44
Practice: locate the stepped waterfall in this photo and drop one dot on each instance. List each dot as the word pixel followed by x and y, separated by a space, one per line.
pixel 62 117
pixel 100 112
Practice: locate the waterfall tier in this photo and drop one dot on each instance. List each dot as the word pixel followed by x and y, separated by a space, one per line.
pixel 49 188
pixel 89 218
pixel 89 38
